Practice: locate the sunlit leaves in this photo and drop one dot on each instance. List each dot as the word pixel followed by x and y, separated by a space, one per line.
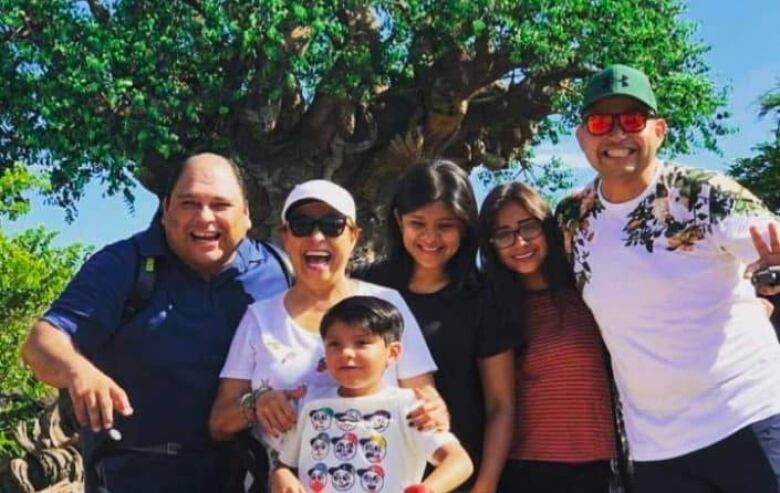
pixel 81 98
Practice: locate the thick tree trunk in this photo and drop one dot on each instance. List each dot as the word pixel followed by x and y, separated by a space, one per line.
pixel 51 462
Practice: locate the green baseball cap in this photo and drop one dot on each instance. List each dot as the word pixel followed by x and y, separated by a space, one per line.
pixel 619 80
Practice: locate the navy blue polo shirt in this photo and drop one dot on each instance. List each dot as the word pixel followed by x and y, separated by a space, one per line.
pixel 169 355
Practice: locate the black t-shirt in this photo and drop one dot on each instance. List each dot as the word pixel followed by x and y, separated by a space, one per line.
pixel 451 323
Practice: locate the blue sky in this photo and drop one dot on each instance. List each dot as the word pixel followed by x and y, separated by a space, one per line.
pixel 744 37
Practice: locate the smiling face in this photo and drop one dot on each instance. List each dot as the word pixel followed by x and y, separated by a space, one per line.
pixel 205 216
pixel 319 260
pixel 357 359
pixel 525 257
pixel 431 235
pixel 625 161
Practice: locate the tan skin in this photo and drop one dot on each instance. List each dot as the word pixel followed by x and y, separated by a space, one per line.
pixel 431 236
pixel 204 219
pixel 627 162
pixel 316 290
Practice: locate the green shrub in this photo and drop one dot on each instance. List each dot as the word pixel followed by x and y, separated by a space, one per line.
pixel 32 273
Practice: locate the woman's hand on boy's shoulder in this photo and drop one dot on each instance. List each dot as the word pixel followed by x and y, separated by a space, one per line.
pixel 432 412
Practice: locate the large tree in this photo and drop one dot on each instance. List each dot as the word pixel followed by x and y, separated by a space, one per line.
pixel 761 173
pixel 344 89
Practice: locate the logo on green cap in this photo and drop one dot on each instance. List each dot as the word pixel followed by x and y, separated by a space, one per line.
pixel 619 80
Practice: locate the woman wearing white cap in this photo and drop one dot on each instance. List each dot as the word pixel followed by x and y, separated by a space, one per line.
pixel 277 348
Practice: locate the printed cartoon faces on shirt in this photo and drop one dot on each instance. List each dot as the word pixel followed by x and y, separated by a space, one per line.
pixel 318 477
pixel 342 477
pixel 372 479
pixel 349 419
pixel 374 448
pixel 378 420
pixel 345 446
pixel 320 446
pixel 321 419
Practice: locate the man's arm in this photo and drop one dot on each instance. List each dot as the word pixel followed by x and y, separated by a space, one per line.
pixel 55 360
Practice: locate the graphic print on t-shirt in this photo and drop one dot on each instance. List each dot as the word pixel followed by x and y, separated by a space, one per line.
pixel 361 458
pixel 343 476
pixel 320 446
pixel 329 443
pixel 348 420
pixel 378 420
pixel 374 448
pixel 318 477
pixel 345 446
pixel 321 419
pixel 372 478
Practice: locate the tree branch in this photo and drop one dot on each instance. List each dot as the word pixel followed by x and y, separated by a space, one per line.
pixel 99 12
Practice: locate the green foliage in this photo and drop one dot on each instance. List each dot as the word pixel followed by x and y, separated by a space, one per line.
pixel 761 173
pixel 15 182
pixel 86 95
pixel 32 273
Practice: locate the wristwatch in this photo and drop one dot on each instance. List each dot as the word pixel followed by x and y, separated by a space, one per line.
pixel 247 405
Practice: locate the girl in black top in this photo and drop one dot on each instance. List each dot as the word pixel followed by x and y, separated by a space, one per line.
pixel 430 259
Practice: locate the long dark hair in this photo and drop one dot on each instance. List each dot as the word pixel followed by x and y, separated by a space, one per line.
pixel 504 289
pixel 423 183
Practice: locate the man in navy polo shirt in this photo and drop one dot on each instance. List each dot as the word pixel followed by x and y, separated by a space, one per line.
pixel 154 377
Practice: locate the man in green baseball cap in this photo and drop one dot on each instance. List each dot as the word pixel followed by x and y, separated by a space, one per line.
pixel 659 251
pixel 621 132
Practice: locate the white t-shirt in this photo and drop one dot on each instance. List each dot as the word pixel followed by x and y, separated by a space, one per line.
pixel 270 349
pixel 360 444
pixel 694 354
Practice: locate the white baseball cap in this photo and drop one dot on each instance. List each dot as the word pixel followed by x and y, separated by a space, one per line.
pixel 322 191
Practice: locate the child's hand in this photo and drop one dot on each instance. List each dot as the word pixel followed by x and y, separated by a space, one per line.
pixel 284 481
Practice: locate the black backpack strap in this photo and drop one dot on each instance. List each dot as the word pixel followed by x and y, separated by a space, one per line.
pixel 282 259
pixel 146 270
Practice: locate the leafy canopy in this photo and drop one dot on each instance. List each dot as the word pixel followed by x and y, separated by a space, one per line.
pixel 92 91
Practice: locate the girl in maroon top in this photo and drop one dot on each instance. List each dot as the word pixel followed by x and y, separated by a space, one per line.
pixel 564 428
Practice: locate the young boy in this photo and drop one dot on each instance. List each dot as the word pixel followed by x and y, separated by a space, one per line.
pixel 354 437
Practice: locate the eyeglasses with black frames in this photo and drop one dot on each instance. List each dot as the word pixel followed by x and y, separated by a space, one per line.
pixel 527 230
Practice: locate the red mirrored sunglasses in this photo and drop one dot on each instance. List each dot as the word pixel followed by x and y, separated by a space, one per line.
pixel 603 123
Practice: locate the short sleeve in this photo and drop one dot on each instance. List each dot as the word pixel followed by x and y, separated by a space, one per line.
pixel 90 307
pixel 733 211
pixel 416 358
pixel 290 448
pixel 498 321
pixel 493 337
pixel 242 356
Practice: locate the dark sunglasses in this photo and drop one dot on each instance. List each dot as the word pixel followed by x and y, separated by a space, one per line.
pixel 630 121
pixel 331 225
pixel 527 230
